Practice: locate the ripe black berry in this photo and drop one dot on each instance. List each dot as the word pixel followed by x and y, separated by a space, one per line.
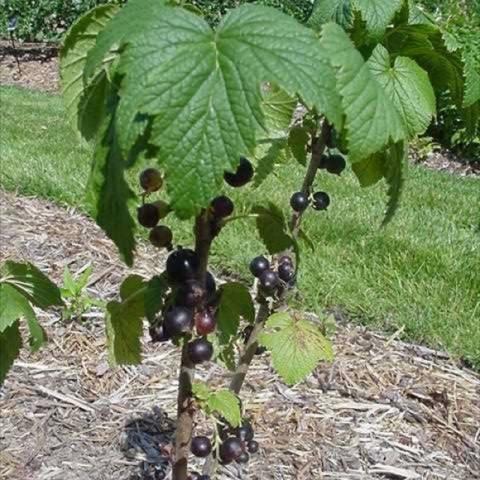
pixel 252 446
pixel 182 265
pixel 158 333
pixel 335 164
pixel 178 320
pixel 258 265
pixel 222 207
pixel 148 215
pixel 245 432
pixel 161 236
pixel 230 450
pixel 201 446
pixel 323 161
pixel 299 201
pixel 286 272
pixel 321 201
pixel 269 280
pixel 190 294
pixel 205 322
pixel 151 180
pixel 241 176
pixel 200 350
pixel 285 259
pixel 243 458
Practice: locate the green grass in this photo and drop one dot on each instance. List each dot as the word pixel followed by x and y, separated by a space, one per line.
pixel 422 272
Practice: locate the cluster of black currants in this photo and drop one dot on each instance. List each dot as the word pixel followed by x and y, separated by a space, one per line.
pixel 236 445
pixel 272 281
pixel 149 214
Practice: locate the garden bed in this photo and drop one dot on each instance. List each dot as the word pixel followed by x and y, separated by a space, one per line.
pixel 384 409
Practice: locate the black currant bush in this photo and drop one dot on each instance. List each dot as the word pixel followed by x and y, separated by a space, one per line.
pixel 215 109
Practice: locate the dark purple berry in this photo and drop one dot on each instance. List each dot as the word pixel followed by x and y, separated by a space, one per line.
pixel 201 446
pixel 299 201
pixel 161 237
pixel 335 164
pixel 222 207
pixel 252 446
pixel 182 265
pixel 242 175
pixel 245 432
pixel 259 265
pixel 286 272
pixel 243 458
pixel 200 350
pixel 190 294
pixel 230 450
pixel 148 215
pixel 269 280
pixel 151 180
pixel 205 322
pixel 178 320
pixel 285 259
pixel 321 201
pixel 158 333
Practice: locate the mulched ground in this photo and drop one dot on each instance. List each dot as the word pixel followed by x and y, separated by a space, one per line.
pixel 383 410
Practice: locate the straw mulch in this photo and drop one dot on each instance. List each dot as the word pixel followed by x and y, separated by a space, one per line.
pixel 383 410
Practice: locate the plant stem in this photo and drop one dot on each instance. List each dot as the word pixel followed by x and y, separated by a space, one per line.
pixel 203 241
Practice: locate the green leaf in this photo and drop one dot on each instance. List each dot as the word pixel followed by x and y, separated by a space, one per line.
pixel 302 235
pixel 274 152
pixel 297 346
pixel 13 306
pixel 10 344
pixel 235 302
pixel 37 334
pixel 124 323
pixel 370 170
pixel 278 107
pixel 372 121
pixel 394 175
pixel 297 141
pixel 201 391
pixel 154 297
pixel 129 21
pixel 407 86
pixel 83 279
pixel 68 281
pixel 226 404
pixel 325 11
pixel 202 87
pixel 32 283
pixel 77 42
pixel 472 80
pixel 109 194
pixel 377 14
pixel 272 228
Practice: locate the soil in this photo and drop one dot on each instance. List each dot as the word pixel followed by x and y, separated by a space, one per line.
pixel 384 409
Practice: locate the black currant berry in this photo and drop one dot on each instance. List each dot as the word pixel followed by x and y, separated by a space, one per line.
pixel 190 294
pixel 285 259
pixel 148 215
pixel 178 320
pixel 245 432
pixel 335 164
pixel 205 322
pixel 151 180
pixel 269 280
pixel 200 350
pixel 182 265
pixel 230 450
pixel 161 237
pixel 158 333
pixel 286 272
pixel 222 207
pixel 258 265
pixel 252 446
pixel 241 176
pixel 201 446
pixel 323 161
pixel 321 201
pixel 243 458
pixel 299 201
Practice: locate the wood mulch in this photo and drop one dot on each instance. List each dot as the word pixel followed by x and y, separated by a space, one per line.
pixel 384 409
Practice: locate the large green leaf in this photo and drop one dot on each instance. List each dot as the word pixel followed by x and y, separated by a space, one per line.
pixel 278 107
pixel 272 228
pixel 409 88
pixel 235 302
pixel 10 344
pixel 472 79
pixel 372 120
pixel 297 346
pixel 77 42
pixel 226 404
pixel 325 11
pixel 394 166
pixel 377 14
pixel 268 155
pixel 154 296
pixel 108 192
pixel 297 141
pixel 124 322
pixel 31 283
pixel 203 89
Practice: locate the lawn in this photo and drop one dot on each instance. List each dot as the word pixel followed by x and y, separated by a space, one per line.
pixel 421 273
